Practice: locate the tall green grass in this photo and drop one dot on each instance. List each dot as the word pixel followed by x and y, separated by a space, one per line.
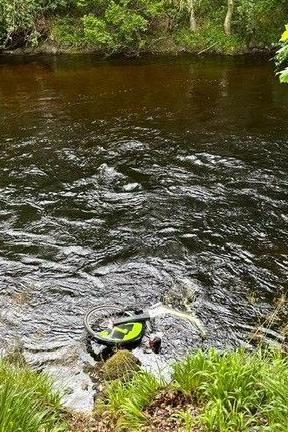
pixel 238 390
pixel 126 401
pixel 235 391
pixel 27 401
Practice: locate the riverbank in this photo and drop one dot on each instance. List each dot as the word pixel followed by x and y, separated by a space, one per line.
pixel 133 28
pixel 209 391
pixel 167 48
pixel 207 40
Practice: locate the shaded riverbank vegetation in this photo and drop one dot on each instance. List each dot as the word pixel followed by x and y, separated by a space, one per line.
pixel 132 26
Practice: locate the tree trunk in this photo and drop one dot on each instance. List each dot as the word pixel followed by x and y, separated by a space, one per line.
pixel 228 18
pixel 193 23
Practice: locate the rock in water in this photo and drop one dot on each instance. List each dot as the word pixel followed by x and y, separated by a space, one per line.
pixel 120 366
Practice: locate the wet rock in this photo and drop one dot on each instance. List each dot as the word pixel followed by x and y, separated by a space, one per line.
pixel 130 187
pixel 76 385
pixel 154 363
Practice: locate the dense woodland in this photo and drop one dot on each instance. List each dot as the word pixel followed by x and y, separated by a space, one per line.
pixel 209 391
pixel 224 26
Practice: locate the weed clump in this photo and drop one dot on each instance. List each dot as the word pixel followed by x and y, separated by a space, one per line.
pixel 122 365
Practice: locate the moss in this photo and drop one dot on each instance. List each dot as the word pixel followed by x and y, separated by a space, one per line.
pixel 121 365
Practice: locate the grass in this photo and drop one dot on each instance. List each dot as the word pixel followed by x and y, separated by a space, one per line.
pixel 186 420
pixel 209 391
pixel 232 391
pixel 126 401
pixel 27 401
pixel 239 389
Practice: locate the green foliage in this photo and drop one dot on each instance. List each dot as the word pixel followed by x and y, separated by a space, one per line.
pixel 190 374
pixel 126 401
pixel 52 5
pixel 18 19
pixel 207 8
pixel 232 391
pixel 186 419
pixel 283 75
pixel 67 32
pixel 118 30
pixel 253 20
pixel 284 37
pixel 27 401
pixel 282 57
pixel 217 417
pixel 122 24
pixel 240 389
pixel 210 37
pixel 129 25
pixel 215 376
pixel 274 383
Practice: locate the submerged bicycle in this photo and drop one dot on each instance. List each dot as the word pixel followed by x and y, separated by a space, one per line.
pixel 109 325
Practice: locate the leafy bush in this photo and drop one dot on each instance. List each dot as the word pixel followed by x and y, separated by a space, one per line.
pixel 68 32
pixel 282 57
pixel 120 28
pixel 18 20
pixel 210 37
pixel 253 20
pixel 123 24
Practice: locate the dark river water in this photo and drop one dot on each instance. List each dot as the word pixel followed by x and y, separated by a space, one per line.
pixel 130 181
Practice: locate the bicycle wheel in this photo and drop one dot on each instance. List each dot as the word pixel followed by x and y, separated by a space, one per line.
pixel 99 323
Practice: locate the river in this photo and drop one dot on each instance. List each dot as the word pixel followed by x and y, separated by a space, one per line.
pixel 137 180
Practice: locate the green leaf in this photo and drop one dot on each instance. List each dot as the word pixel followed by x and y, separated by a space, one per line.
pixel 284 76
pixel 284 37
